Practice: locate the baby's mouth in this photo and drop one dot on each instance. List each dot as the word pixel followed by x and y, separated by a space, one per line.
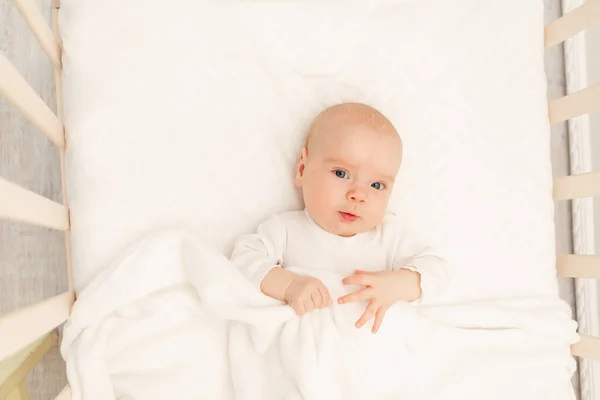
pixel 348 217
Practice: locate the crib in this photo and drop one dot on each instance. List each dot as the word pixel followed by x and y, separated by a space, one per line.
pixel 26 335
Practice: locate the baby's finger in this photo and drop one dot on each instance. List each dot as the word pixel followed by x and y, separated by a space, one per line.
pixel 368 314
pixel 360 271
pixel 359 279
pixel 316 298
pixel 362 294
pixel 298 307
pixel 308 305
pixel 378 319
pixel 322 297
pixel 325 295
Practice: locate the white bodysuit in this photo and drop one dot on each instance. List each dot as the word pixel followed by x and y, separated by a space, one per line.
pixel 293 239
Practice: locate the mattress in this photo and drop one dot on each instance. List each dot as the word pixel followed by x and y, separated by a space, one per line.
pixel 191 115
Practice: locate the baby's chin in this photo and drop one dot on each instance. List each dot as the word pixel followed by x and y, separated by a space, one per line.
pixel 352 229
pixel 350 234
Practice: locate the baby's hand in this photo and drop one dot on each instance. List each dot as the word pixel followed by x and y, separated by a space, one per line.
pixel 382 289
pixel 306 293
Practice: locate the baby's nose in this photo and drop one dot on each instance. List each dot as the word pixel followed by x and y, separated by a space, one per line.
pixel 357 196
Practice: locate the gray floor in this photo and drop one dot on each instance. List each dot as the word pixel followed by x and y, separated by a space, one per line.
pixel 32 259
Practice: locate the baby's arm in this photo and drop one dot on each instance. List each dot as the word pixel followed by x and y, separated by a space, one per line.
pixel 259 257
pixel 424 272
pixel 257 253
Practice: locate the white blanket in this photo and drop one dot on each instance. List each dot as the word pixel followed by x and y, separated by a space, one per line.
pixel 171 318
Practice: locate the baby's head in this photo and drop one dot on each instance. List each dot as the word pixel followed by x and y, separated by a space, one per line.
pixel 347 168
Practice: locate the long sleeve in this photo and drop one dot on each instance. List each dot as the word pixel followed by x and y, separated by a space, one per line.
pixel 255 254
pixel 433 269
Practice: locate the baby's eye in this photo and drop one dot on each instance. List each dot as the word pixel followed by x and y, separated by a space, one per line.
pixel 377 185
pixel 340 173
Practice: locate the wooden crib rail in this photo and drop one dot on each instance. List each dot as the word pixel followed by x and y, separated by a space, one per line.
pixel 35 21
pixel 13 371
pixel 577 186
pixel 588 347
pixel 25 329
pixel 575 104
pixel 20 328
pixel 578 266
pixel 23 205
pixel 572 23
pixel 17 91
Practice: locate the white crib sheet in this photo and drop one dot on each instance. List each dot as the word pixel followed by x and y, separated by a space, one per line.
pixel 190 114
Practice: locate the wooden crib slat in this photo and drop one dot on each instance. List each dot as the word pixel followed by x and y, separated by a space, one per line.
pixel 14 370
pixel 574 104
pixel 19 204
pixel 21 392
pixel 37 24
pixel 588 347
pixel 18 92
pixel 571 23
pixel 577 186
pixel 578 266
pixel 22 327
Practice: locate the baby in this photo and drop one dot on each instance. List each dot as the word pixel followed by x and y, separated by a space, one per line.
pixel 346 173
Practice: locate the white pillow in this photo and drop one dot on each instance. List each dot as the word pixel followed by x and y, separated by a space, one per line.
pixel 191 114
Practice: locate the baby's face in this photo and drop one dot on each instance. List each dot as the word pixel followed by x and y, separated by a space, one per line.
pixel 347 175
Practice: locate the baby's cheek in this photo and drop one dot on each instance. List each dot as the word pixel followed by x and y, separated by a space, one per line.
pixel 318 192
pixel 328 194
pixel 379 209
pixel 318 200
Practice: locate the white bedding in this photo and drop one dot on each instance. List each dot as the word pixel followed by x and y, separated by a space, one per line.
pixel 191 114
pixel 162 338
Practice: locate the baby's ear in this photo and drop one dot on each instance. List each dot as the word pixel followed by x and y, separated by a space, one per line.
pixel 300 168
